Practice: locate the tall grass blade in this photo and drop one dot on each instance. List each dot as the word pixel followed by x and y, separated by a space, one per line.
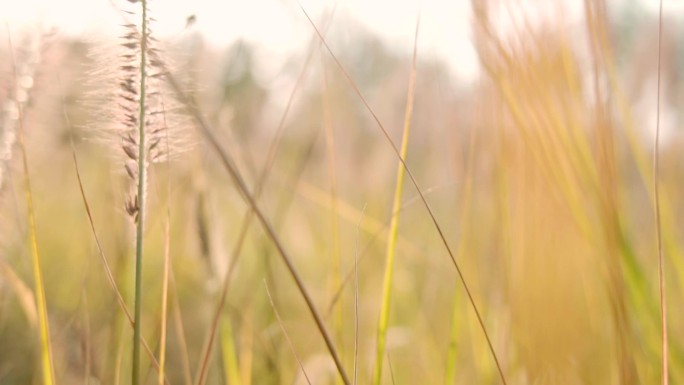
pixel 231 374
pixel 164 304
pixel 391 249
pixel 46 350
pixel 43 323
pixel 356 298
pixel 228 163
pixel 336 274
pixel 108 271
pixel 180 333
pixel 450 376
pixel 656 192
pixel 247 220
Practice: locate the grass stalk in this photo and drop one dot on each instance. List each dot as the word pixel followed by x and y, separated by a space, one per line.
pixel 228 163
pixel 394 224
pixel 166 268
pixel 656 192
pixel 231 372
pixel 356 299
pixel 44 328
pixel 45 346
pixel 336 276
pixel 450 376
pixel 180 332
pixel 164 303
pixel 140 223
pixel 119 361
pixel 105 263
pixel 246 222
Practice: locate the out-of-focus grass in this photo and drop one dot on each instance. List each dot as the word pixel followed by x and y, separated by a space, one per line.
pixel 392 240
pixel 538 172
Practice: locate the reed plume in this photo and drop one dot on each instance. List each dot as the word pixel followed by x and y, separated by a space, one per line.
pixel 137 123
pixel 135 117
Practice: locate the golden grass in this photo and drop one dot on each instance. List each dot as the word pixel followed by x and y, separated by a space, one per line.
pixel 539 176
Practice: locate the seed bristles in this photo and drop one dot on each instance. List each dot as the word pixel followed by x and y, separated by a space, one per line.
pixel 116 96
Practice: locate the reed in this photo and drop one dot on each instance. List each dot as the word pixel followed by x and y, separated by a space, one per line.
pixel 139 128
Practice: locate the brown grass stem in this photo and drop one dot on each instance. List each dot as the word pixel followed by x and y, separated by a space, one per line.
pixel 247 220
pixel 228 163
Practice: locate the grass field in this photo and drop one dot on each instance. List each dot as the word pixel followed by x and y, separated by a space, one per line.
pixel 170 215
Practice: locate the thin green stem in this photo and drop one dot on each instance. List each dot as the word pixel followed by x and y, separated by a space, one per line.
pixel 140 201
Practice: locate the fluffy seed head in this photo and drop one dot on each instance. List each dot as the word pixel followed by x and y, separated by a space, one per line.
pixel 118 96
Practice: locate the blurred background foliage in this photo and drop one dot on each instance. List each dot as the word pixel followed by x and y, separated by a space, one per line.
pixel 538 170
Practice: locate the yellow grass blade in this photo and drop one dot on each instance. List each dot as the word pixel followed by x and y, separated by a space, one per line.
pixel 39 289
pixel 394 225
pixel 231 373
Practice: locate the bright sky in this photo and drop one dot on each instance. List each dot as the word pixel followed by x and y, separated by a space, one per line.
pixel 280 26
